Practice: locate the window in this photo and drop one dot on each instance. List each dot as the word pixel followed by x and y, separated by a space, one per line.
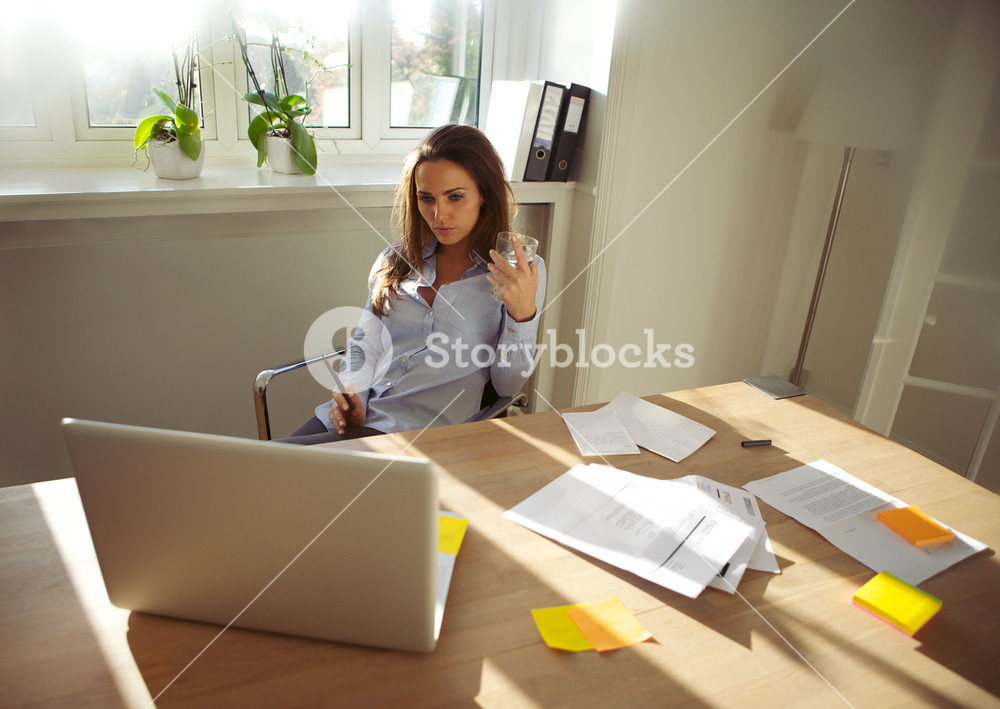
pixel 14 80
pixel 316 40
pixel 23 115
pixel 434 75
pixel 117 78
pixel 377 73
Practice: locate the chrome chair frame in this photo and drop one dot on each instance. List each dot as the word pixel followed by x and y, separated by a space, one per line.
pixel 493 406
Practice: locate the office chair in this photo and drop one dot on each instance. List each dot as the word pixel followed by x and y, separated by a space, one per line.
pixel 492 405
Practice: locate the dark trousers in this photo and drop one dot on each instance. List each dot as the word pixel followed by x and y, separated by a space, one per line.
pixel 313 431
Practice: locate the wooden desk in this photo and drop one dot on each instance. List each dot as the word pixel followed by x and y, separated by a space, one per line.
pixel 792 639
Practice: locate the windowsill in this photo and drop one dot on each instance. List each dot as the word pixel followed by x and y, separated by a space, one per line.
pixel 73 193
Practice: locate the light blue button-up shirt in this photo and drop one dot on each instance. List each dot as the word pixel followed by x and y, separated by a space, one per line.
pixel 419 363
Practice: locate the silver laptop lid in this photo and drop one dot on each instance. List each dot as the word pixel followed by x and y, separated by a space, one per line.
pixel 316 542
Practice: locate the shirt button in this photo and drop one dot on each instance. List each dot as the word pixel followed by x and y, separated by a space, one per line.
pixel 402 359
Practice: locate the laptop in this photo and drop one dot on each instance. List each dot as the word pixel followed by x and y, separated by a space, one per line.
pixel 314 542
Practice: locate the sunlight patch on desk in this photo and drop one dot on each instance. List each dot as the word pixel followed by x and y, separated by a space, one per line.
pixel 495 685
pixel 80 560
pixel 554 451
pixel 828 641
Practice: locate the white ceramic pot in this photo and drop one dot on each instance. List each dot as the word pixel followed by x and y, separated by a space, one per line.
pixel 170 163
pixel 279 155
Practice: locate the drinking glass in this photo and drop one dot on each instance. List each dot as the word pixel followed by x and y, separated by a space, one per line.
pixel 505 246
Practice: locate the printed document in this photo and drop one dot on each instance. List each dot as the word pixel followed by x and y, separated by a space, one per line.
pixel 669 533
pixel 756 552
pixel 658 429
pixel 842 508
pixel 599 433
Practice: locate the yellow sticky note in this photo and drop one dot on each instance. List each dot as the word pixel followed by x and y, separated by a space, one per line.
pixel 897 602
pixel 451 532
pixel 608 625
pixel 558 630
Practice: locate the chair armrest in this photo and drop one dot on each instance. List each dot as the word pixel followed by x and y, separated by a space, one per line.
pixel 264 379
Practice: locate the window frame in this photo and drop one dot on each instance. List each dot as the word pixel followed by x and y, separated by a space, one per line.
pixel 42 128
pixel 63 135
pixel 354 84
pixel 383 83
pixel 81 110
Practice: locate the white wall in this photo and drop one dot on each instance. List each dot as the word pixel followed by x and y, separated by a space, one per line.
pixel 710 214
pixel 567 41
pixel 694 242
pixel 861 260
pixel 162 321
pixel 559 40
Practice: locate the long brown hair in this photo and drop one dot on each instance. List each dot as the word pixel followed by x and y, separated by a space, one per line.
pixel 465 146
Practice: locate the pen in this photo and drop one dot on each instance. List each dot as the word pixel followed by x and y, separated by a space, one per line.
pixel 761 442
pixel 340 385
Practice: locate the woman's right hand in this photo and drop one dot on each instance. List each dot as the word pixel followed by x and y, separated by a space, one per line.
pixel 346 410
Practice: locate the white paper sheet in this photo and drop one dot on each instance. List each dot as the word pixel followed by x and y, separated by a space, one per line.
pixel 660 430
pixel 669 533
pixel 842 508
pixel 599 433
pixel 756 552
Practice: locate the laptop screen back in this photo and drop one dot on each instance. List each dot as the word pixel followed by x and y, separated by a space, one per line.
pixel 336 545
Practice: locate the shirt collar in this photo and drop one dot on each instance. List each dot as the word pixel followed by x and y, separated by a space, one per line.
pixel 431 246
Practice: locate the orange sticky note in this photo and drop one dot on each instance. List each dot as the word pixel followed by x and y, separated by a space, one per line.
pixel 558 630
pixel 608 625
pixel 913 525
pixel 451 532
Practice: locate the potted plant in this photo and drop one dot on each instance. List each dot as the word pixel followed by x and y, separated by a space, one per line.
pixel 278 132
pixel 173 141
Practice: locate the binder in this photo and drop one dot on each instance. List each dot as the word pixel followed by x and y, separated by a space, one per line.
pixel 570 120
pixel 540 155
pixel 511 120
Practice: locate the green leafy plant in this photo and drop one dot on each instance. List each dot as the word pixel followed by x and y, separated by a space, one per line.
pixel 283 111
pixel 183 123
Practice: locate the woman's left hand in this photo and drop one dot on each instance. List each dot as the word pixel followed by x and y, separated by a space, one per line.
pixel 517 285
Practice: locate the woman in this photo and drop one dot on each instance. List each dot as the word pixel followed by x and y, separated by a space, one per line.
pixel 434 335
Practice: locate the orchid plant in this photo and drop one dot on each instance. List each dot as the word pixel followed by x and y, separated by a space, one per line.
pixel 283 112
pixel 182 123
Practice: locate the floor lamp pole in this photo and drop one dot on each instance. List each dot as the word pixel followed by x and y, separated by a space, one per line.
pixel 824 260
